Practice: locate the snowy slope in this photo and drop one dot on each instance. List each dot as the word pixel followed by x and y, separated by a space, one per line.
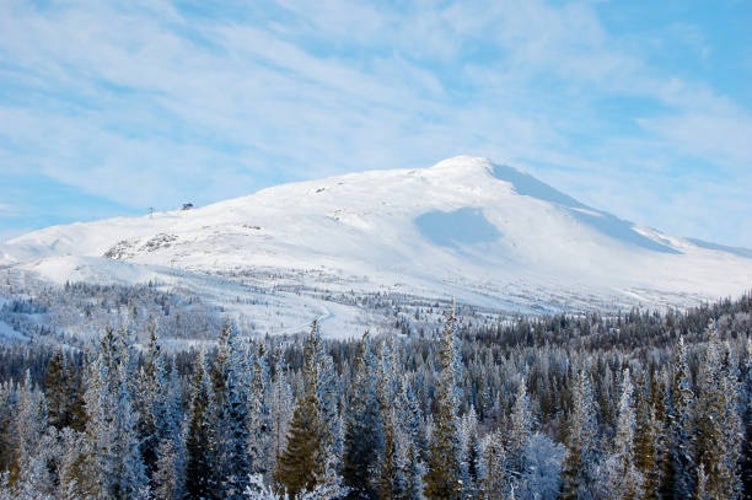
pixel 486 234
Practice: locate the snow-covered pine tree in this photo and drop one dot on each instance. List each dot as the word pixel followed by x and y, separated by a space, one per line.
pixel 680 413
pixel 493 472
pixel 717 422
pixel 443 479
pixel 171 466
pixel 470 448
pixel 582 441
pixel 364 437
pixel 281 408
pixel 231 403
pixel 8 398
pixel 260 437
pixel 115 468
pixel 64 393
pixel 543 459
pixel 304 461
pixel 647 438
pixel 402 466
pixel 623 480
pixel 329 389
pixel 166 480
pixel 70 464
pixel 200 442
pixel 150 394
pixel 520 429
pixel 31 442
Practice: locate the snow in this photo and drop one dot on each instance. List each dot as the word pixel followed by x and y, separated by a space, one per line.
pixel 465 226
pixel 485 234
pixel 7 333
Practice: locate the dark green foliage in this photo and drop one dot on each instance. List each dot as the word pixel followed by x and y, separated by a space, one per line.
pixel 302 464
pixel 62 386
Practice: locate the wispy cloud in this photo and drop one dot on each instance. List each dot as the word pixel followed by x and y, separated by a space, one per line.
pixel 155 103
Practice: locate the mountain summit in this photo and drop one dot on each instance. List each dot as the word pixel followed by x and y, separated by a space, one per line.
pixel 487 234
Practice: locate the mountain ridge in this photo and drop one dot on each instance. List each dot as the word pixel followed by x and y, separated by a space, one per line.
pixel 487 234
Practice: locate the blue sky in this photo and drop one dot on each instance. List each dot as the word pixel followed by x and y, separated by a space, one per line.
pixel 643 109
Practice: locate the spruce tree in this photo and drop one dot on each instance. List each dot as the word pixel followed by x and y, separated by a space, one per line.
pixel 115 468
pixel 364 439
pixel 717 422
pixel 623 478
pixel 521 428
pixel 281 407
pixel 402 465
pixel 443 479
pixel 582 441
pixel 470 447
pixel 30 443
pixel 64 395
pixel 150 397
pixel 55 376
pixel 303 461
pixel 200 480
pixel 260 438
pixel 231 406
pixel 681 427
pixel 493 471
pixel 647 441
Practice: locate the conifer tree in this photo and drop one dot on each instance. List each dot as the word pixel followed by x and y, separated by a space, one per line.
pixel 200 480
pixel 260 451
pixel 521 428
pixel 150 391
pixel 582 441
pixel 30 443
pixel 402 466
pixel 63 393
pixel 717 423
pixel 166 479
pixel 8 399
pixel 493 472
pixel 701 492
pixel 71 465
pixel 469 453
pixel 681 431
pixel 541 476
pixel 281 407
pixel 304 460
pixel 115 468
pixel 647 441
pixel 171 451
pixel 443 479
pixel 231 405
pixel 329 391
pixel 364 439
pixel 623 478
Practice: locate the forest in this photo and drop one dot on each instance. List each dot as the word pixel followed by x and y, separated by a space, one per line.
pixel 637 404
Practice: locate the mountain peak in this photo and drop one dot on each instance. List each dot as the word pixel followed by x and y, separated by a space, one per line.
pixel 464 163
pixel 465 227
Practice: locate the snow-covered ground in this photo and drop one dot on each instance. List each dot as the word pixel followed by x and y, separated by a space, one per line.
pixel 486 234
pixel 8 334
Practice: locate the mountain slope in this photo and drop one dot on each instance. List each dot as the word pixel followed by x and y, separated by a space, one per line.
pixel 487 234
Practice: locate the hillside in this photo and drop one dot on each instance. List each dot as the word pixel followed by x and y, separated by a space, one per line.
pixel 487 234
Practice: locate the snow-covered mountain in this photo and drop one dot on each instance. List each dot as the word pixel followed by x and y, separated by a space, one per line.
pixel 486 234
